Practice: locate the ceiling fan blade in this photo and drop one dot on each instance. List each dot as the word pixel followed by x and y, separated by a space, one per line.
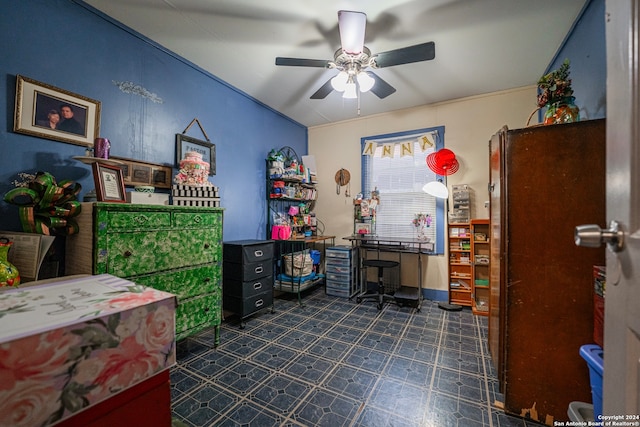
pixel 300 62
pixel 352 26
pixel 324 90
pixel 406 55
pixel 381 88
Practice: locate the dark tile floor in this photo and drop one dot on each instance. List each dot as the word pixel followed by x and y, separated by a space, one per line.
pixel 337 363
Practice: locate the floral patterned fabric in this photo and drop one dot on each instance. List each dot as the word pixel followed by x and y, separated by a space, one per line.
pixel 69 345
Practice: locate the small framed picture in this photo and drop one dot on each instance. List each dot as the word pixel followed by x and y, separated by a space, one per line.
pixel 141 174
pixel 109 183
pixel 186 143
pixel 137 172
pixel 49 112
pixel 363 228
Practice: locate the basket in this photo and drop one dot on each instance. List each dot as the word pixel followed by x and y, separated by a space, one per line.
pixel 302 264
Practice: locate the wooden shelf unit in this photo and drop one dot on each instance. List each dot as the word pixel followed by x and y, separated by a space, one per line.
pixel 480 256
pixel 460 267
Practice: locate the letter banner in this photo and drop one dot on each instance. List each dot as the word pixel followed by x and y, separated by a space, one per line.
pixel 406 147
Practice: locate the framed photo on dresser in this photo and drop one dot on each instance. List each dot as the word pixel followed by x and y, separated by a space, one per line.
pixel 109 183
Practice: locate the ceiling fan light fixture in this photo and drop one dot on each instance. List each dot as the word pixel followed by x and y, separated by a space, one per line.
pixel 350 90
pixel 365 81
pixel 339 82
pixel 352 26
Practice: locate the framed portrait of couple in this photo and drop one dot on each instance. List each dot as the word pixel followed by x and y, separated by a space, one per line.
pixel 49 112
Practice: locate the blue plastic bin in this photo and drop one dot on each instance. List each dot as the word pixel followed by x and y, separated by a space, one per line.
pixel 315 256
pixel 594 355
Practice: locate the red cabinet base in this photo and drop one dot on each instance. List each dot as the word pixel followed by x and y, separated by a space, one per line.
pixel 146 404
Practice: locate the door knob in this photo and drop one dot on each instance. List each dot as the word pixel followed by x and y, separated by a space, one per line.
pixel 592 236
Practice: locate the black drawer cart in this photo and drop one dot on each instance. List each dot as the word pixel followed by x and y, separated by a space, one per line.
pixel 247 277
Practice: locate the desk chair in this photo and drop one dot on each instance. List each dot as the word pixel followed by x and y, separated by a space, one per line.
pixel 379 294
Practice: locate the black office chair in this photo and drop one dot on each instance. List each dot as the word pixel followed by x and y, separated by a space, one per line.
pixel 379 293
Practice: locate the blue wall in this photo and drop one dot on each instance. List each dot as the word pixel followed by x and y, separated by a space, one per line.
pixel 70 45
pixel 67 44
pixel 585 47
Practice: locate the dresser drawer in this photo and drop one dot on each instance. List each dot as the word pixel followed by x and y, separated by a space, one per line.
pixel 338 269
pixel 247 272
pixel 197 313
pixel 244 251
pixel 136 220
pixel 342 278
pixel 341 252
pixel 196 220
pixel 246 306
pixel 134 254
pixel 241 289
pixel 341 262
pixel 185 283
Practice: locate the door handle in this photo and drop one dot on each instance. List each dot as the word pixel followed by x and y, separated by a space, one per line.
pixel 592 236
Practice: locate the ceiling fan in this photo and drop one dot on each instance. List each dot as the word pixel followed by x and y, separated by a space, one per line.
pixel 353 58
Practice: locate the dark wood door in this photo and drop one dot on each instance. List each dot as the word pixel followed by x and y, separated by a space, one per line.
pixel 496 304
pixel 552 179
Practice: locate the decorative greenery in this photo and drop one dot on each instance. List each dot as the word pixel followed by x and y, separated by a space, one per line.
pixel 555 87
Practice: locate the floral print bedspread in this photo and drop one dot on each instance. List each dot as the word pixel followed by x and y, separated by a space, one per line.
pixel 68 345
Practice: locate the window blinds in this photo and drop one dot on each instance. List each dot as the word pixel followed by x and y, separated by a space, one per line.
pixel 395 165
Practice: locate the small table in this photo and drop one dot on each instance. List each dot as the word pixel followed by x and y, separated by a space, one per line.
pixel 398 245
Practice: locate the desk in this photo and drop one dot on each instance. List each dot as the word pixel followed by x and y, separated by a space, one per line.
pixel 298 283
pixel 398 245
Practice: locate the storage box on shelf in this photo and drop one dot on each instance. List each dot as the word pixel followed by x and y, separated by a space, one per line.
pixel 341 264
pixel 175 249
pixel 248 277
pixel 189 195
pixel 461 212
pixel 460 271
pixel 480 259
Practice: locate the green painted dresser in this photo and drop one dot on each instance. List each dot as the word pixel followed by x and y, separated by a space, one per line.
pixel 177 249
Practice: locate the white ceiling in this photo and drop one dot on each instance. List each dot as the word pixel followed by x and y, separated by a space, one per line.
pixel 482 46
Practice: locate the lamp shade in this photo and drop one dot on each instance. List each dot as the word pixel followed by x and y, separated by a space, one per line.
pixel 350 90
pixel 365 81
pixel 436 189
pixel 340 81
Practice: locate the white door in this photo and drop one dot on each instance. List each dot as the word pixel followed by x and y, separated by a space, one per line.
pixel 622 298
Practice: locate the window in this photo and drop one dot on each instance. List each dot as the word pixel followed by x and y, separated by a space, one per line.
pixel 395 166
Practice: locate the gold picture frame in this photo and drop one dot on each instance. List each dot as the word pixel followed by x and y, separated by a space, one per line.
pixel 37 105
pixel 109 183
